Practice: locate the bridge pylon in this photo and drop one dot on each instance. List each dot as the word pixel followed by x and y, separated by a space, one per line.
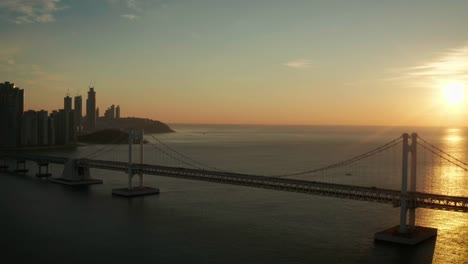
pixel 133 169
pixel 407 232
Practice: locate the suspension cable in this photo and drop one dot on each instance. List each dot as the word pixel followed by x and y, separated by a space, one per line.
pixel 445 153
pixel 175 158
pixel 186 157
pixel 442 157
pixel 348 161
pixel 105 149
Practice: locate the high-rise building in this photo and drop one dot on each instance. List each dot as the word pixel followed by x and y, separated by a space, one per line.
pixel 42 128
pixel 69 119
pixel 67 103
pixel 110 113
pixel 60 127
pixel 11 111
pixel 29 128
pixel 78 114
pixel 35 128
pixel 97 114
pixel 117 112
pixel 52 128
pixel 91 109
pixel 71 126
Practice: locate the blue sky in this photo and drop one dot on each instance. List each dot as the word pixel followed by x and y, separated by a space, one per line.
pixel 261 62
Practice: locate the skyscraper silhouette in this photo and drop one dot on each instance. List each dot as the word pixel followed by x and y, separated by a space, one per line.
pixel 11 111
pixel 69 119
pixel 29 128
pixel 91 109
pixel 117 112
pixel 78 114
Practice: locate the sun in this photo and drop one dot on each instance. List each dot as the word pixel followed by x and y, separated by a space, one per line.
pixel 454 92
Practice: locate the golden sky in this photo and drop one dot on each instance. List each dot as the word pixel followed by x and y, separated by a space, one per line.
pixel 243 62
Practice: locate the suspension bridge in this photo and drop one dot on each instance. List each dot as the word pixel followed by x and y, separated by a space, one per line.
pixel 333 180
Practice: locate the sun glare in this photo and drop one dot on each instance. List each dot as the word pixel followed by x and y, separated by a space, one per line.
pixel 453 92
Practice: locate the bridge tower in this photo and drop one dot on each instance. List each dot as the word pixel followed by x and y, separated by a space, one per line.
pixel 407 232
pixel 133 169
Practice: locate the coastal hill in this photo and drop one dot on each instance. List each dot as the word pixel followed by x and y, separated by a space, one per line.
pixel 106 136
pixel 149 126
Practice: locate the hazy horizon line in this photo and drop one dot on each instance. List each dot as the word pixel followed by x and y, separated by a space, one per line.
pixel 309 125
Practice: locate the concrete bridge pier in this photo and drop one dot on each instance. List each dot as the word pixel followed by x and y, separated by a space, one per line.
pixel 75 175
pixel 43 174
pixel 407 232
pixel 141 190
pixel 21 167
pixel 3 165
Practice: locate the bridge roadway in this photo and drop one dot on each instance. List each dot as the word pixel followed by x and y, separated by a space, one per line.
pixel 36 158
pixel 371 194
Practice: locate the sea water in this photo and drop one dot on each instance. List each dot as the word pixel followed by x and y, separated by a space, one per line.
pixel 201 222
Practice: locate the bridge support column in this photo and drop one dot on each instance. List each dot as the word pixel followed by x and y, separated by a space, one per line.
pixel 130 159
pixel 141 190
pixel 76 174
pixel 407 233
pixel 142 152
pixel 4 166
pixel 40 173
pixel 21 167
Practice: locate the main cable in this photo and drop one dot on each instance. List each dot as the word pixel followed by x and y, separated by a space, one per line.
pixel 185 156
pixel 442 157
pixel 440 150
pixel 348 161
pixel 175 158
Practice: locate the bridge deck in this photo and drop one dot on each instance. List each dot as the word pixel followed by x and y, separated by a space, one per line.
pixel 36 158
pixel 372 194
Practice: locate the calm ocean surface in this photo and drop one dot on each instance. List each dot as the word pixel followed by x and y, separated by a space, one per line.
pixel 199 222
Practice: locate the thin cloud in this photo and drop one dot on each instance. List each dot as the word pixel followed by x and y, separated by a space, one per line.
pixel 30 75
pixel 450 65
pixel 134 9
pixel 298 64
pixel 30 11
pixel 134 5
pixel 7 57
pixel 130 17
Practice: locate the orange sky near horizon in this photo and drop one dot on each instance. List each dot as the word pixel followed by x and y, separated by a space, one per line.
pixel 223 62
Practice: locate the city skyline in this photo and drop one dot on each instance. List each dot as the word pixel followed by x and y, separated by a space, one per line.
pixel 36 128
pixel 294 63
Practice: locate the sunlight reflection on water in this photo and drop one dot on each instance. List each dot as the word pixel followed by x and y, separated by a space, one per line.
pixel 276 150
pixel 441 176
